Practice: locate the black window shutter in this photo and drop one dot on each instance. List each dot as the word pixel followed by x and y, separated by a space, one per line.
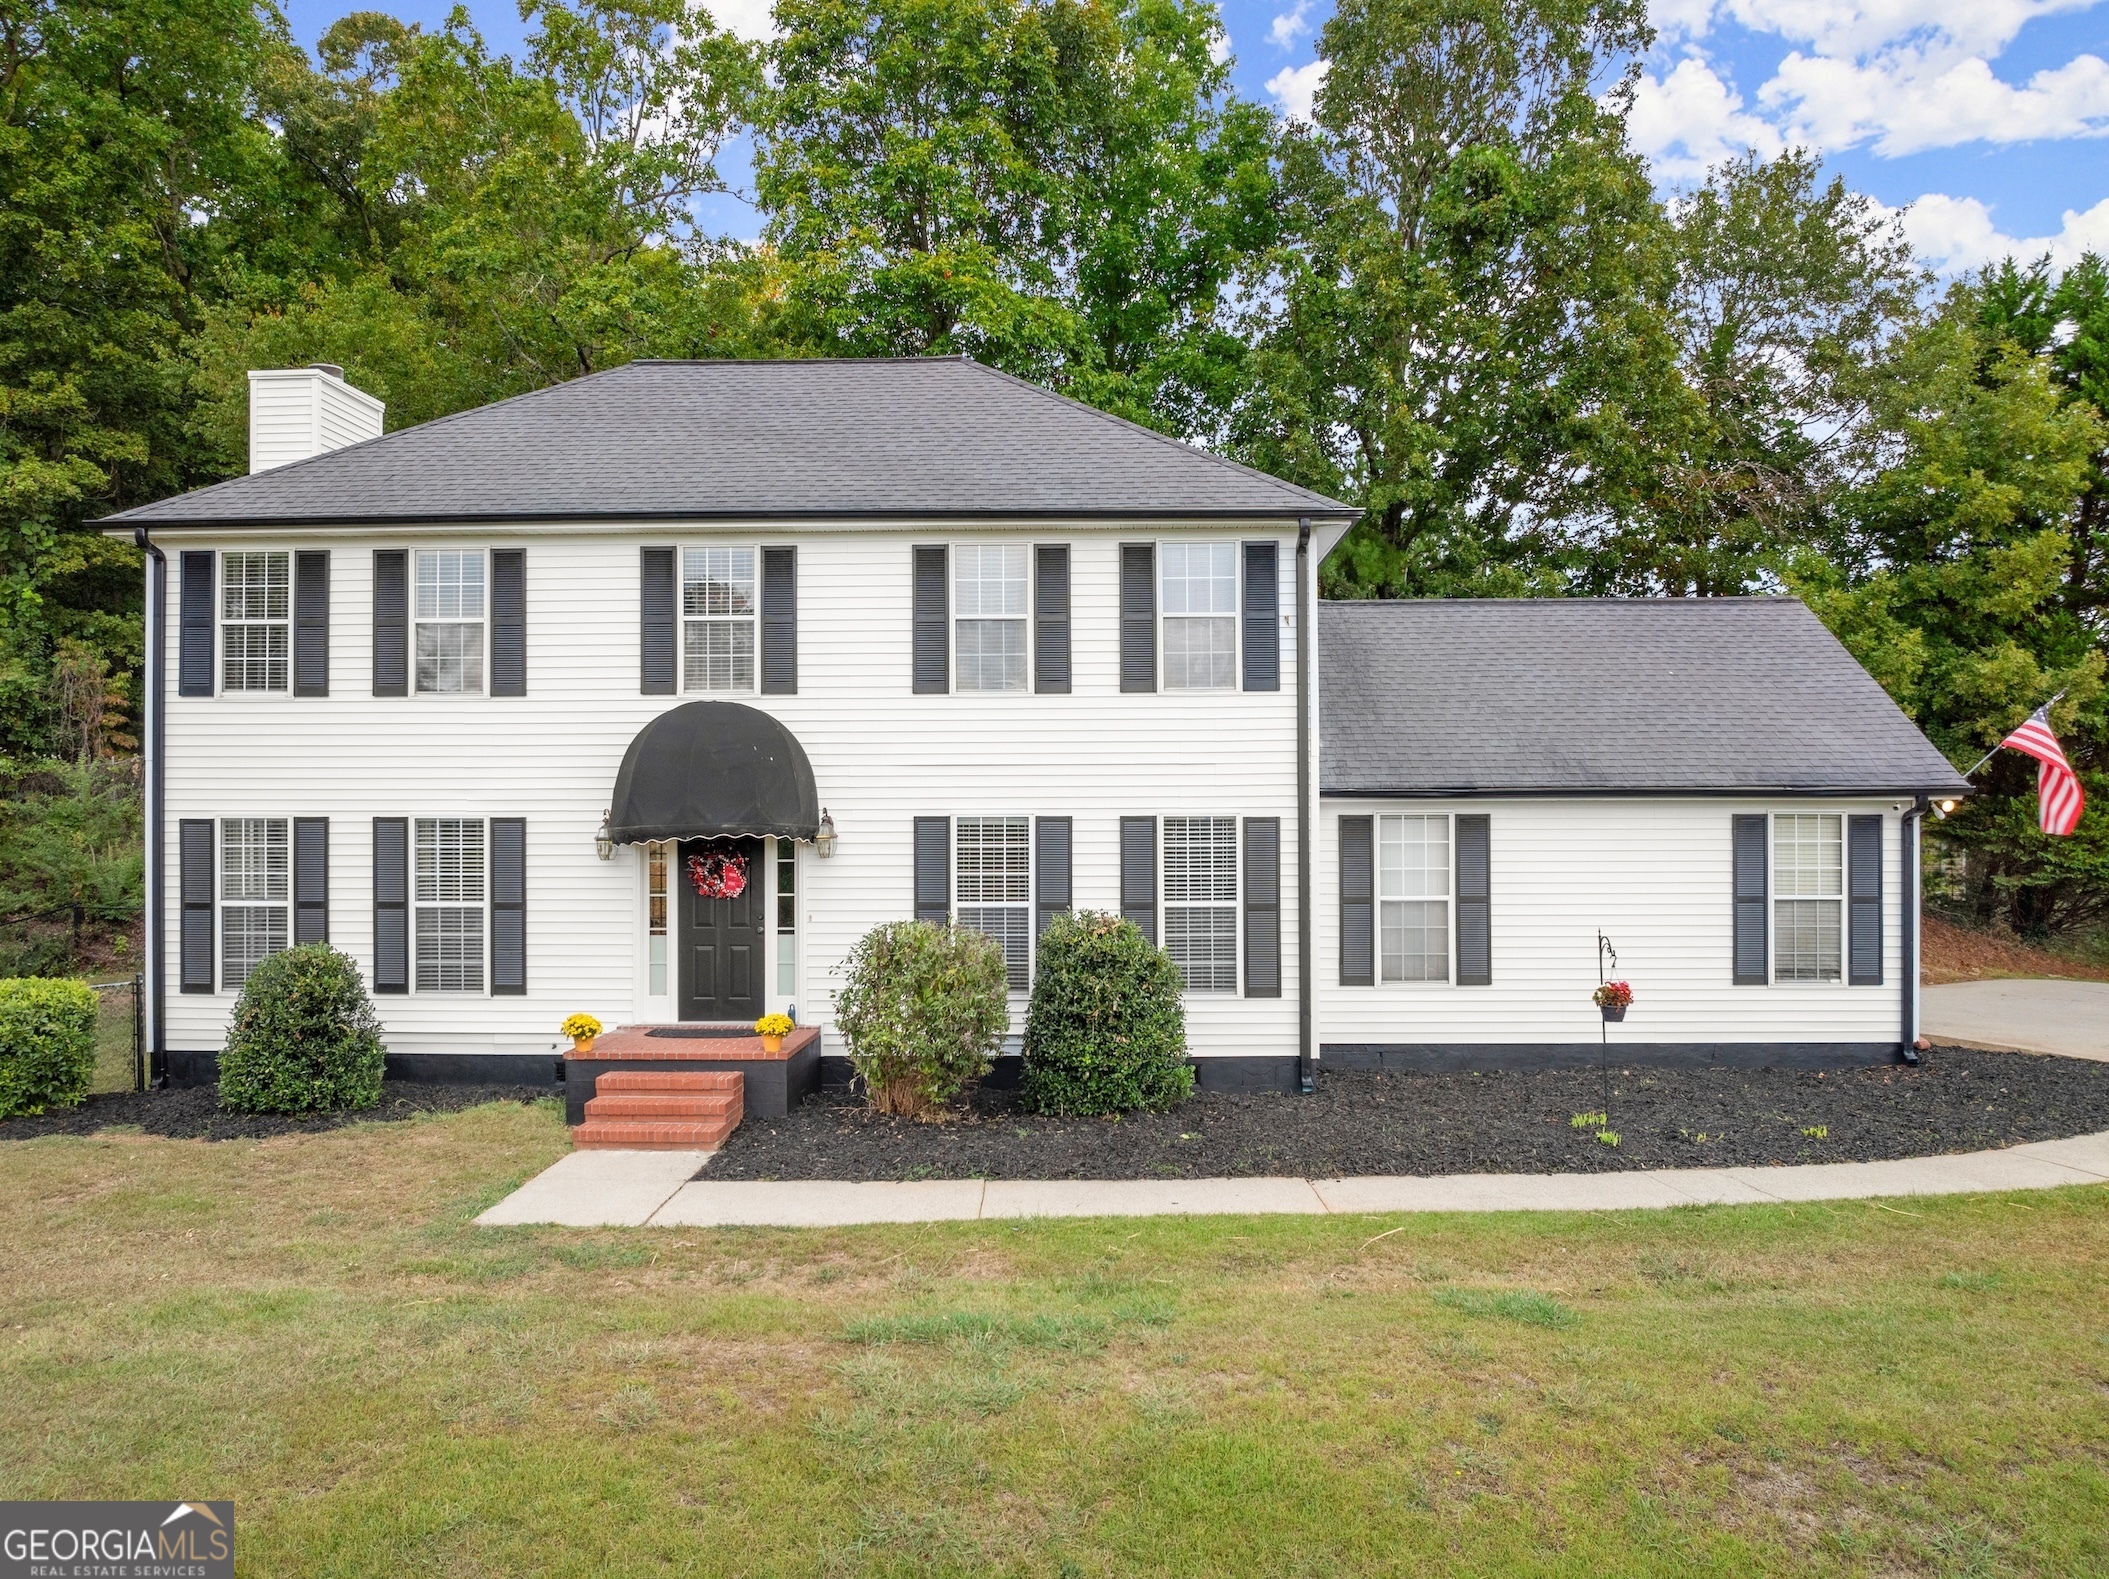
pixel 1475 933
pixel 1263 906
pixel 508 622
pixel 194 659
pixel 933 869
pixel 508 906
pixel 311 622
pixel 311 879
pixel 1138 617
pixel 1263 596
pixel 1051 870
pixel 195 883
pixel 779 622
pixel 1051 618
pixel 933 667
pixel 391 904
pixel 1358 906
pixel 1138 873
pixel 391 622
pixel 1750 951
pixel 656 627
pixel 1863 869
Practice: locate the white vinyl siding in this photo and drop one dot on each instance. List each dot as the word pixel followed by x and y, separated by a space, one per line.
pixel 1808 875
pixel 990 599
pixel 448 864
pixel 1201 900
pixel 1413 898
pixel 255 887
pixel 718 604
pixel 449 610
pixel 993 883
pixel 256 642
pixel 1200 598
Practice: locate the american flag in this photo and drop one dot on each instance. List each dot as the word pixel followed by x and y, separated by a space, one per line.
pixel 2059 801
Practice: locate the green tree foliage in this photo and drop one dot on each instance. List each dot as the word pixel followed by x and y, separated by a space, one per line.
pixel 71 866
pixel 1106 1029
pixel 1063 188
pixel 304 1037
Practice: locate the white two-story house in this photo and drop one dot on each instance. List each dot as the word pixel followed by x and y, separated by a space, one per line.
pixel 646 695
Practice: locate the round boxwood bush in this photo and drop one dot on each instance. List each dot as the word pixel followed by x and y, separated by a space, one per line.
pixel 923 1010
pixel 47 1043
pixel 1106 1029
pixel 305 1037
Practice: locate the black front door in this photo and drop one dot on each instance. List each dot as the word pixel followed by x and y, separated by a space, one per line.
pixel 720 939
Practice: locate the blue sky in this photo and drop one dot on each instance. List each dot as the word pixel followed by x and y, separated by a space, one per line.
pixel 1988 119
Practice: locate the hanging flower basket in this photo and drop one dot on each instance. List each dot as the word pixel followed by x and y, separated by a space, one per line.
pixel 718 874
pixel 1613 998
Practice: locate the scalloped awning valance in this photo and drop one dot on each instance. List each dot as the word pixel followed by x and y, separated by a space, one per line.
pixel 714 768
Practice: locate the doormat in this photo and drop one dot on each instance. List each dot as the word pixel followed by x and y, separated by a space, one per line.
pixel 693 1031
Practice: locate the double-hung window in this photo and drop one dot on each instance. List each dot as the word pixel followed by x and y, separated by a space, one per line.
pixel 717 619
pixel 450 609
pixel 256 643
pixel 1808 874
pixel 1413 898
pixel 450 891
pixel 1200 616
pixel 989 599
pixel 255 865
pixel 995 888
pixel 1201 900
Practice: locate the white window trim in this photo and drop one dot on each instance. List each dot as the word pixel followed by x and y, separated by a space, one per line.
pixel 483 689
pixel 644 873
pixel 1376 883
pixel 1236 905
pixel 682 616
pixel 1236 617
pixel 483 905
pixel 226 903
pixel 1773 898
pixel 783 951
pixel 1030 904
pixel 220 622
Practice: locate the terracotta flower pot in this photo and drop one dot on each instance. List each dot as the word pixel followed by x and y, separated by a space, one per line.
pixel 772 1044
pixel 1615 1011
pixel 582 1044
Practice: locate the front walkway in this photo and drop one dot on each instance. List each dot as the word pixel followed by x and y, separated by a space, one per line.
pixel 2034 1015
pixel 659 1189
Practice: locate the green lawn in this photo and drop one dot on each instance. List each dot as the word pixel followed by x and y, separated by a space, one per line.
pixel 310 1327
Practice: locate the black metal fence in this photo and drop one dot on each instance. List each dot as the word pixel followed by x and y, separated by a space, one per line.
pixel 120 1036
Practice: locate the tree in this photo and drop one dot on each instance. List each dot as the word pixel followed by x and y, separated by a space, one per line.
pixel 1464 331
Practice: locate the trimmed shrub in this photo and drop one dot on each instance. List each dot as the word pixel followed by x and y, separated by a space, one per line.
pixel 1106 1029
pixel 47 1043
pixel 923 1012
pixel 305 1037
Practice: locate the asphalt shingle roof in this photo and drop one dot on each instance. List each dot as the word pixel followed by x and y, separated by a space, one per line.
pixel 815 439
pixel 1548 696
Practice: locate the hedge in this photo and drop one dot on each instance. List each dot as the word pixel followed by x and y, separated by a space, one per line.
pixel 47 1043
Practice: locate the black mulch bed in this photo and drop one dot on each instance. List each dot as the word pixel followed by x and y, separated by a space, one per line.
pixel 194 1112
pixel 1367 1123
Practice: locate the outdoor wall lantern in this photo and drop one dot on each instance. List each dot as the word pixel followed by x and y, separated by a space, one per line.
pixel 824 835
pixel 604 840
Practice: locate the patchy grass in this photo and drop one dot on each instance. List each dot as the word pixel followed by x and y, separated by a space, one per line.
pixel 310 1326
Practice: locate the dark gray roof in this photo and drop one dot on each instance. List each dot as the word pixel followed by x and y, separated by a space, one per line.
pixel 1606 696
pixel 818 439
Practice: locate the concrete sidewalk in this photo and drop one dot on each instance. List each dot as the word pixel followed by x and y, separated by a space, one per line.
pixel 659 1189
pixel 2033 1015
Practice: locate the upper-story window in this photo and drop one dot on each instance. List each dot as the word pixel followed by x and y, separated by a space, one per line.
pixel 717 617
pixel 1200 604
pixel 1808 875
pixel 256 641
pixel 990 602
pixel 450 612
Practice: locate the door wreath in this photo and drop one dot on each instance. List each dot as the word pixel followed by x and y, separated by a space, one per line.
pixel 718 874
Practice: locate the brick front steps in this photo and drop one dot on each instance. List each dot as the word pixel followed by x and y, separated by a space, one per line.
pixel 661 1110
pixel 775 1082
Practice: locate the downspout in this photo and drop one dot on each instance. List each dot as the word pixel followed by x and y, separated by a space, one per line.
pixel 1908 838
pixel 156 860
pixel 1306 683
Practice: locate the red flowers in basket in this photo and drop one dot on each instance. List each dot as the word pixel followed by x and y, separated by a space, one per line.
pixel 718 874
pixel 1613 995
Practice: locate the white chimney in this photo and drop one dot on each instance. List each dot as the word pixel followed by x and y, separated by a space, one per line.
pixel 295 412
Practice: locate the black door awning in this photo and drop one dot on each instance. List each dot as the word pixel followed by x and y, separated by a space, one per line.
pixel 709 768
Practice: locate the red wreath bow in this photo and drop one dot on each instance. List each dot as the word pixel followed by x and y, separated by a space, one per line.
pixel 718 874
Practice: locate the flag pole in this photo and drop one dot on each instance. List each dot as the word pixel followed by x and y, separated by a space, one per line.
pixel 1989 755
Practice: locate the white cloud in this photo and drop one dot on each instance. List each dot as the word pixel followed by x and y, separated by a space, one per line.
pixel 1902 108
pixel 1219 46
pixel 1294 87
pixel 748 19
pixel 1691 120
pixel 1290 25
pixel 1955 234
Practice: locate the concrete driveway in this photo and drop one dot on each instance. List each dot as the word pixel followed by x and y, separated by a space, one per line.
pixel 2034 1015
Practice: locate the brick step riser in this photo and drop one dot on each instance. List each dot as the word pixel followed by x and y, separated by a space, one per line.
pixel 667 1080
pixel 694 1106
pixel 647 1135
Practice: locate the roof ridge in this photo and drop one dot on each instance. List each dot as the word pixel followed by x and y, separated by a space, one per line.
pixel 1559 598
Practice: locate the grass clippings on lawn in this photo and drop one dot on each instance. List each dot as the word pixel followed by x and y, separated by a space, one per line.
pixel 1958 1099
pixel 310 1325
